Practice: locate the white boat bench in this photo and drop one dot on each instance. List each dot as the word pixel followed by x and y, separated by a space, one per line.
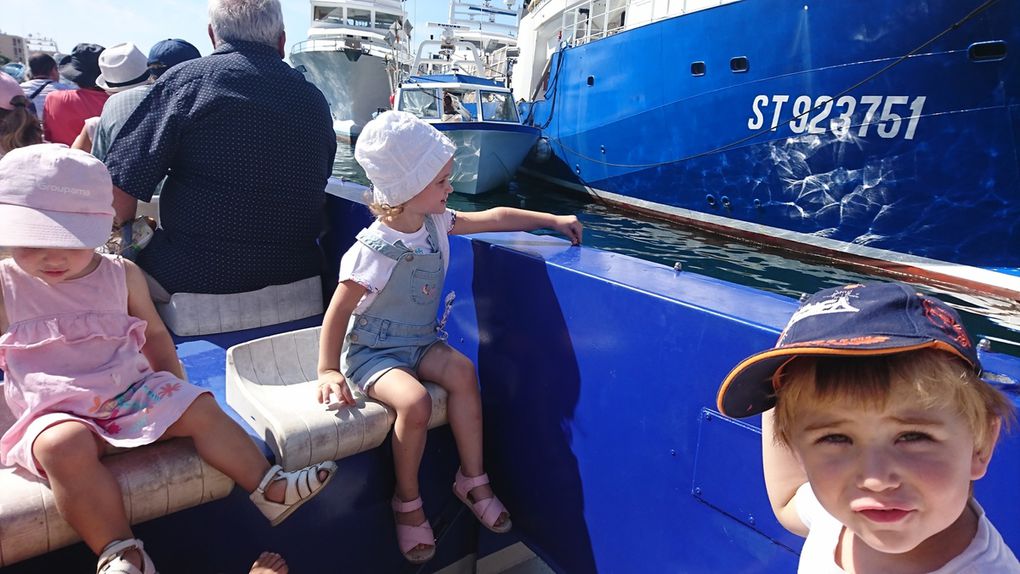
pixel 156 480
pixel 190 314
pixel 271 382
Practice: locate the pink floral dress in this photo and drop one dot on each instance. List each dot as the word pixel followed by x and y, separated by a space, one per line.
pixel 73 353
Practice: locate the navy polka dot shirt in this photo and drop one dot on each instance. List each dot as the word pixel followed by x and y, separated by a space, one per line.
pixel 246 144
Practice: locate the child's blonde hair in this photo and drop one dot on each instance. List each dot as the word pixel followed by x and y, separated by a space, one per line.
pixel 385 209
pixel 934 378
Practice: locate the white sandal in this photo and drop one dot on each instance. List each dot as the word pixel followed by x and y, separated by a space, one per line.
pixel 302 485
pixel 112 560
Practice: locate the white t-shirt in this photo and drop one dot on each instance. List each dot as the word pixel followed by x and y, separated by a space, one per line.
pixel 372 270
pixel 986 553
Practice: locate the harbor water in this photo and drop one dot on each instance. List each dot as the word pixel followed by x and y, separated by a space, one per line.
pixel 695 251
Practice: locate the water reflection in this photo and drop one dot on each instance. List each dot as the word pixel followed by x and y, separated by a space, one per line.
pixel 716 256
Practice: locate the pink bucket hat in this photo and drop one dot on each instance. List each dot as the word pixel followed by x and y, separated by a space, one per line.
pixel 401 154
pixel 9 89
pixel 54 196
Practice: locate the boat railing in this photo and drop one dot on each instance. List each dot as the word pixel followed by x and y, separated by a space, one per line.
pixel 450 54
pixel 337 44
pixel 596 19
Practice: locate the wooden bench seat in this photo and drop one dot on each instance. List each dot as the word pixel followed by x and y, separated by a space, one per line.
pixel 156 480
pixel 190 314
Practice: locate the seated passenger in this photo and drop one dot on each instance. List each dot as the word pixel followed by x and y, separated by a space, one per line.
pixel 395 342
pixel 18 126
pixel 88 363
pixel 44 79
pixel 246 145
pixel 122 67
pixel 65 111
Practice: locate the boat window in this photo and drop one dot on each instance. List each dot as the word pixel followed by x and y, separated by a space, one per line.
pixel 384 20
pixel 987 51
pixel 422 103
pixel 359 18
pixel 697 68
pixel 498 107
pixel 616 17
pixel 598 19
pixel 329 15
pixel 460 105
pixel 739 64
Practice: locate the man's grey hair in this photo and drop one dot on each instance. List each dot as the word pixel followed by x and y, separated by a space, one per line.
pixel 246 20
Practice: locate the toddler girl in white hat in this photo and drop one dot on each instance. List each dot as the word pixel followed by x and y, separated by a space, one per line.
pixel 380 329
pixel 88 363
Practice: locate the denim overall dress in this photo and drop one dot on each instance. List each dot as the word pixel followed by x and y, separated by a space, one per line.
pixel 399 325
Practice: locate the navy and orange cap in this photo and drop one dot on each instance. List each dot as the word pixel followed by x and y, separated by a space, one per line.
pixel 850 321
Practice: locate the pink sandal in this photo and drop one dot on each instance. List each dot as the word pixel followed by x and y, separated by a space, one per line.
pixel 487 510
pixel 410 536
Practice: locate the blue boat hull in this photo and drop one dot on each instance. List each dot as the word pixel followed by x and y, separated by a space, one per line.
pixel 941 182
pixel 488 154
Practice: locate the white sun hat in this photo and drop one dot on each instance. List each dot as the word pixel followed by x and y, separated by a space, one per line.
pixel 401 154
pixel 123 67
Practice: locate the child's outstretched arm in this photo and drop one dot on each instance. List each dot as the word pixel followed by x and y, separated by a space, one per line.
pixel 159 346
pixel 334 329
pixel 511 219
pixel 783 476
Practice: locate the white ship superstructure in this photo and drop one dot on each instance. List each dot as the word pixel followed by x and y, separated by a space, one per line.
pixel 355 52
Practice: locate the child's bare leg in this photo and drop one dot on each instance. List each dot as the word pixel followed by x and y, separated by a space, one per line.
pixel 223 443
pixel 450 369
pixel 86 493
pixel 404 394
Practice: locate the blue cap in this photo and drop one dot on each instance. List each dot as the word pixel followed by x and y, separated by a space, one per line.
pixel 168 53
pixel 850 321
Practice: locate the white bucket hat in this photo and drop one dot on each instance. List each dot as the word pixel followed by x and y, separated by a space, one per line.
pixel 401 154
pixel 123 67
pixel 54 196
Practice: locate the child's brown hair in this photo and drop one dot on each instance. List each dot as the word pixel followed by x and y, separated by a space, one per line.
pixel 936 378
pixel 19 127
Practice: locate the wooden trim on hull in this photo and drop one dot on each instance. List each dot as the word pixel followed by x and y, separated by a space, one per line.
pixel 910 268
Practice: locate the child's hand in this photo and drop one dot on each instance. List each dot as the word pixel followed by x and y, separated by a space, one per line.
pixel 332 382
pixel 569 225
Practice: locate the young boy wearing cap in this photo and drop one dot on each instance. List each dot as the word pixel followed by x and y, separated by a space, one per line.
pixel 880 425
pixel 380 331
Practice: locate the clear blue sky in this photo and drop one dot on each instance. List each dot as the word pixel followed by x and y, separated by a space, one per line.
pixel 145 22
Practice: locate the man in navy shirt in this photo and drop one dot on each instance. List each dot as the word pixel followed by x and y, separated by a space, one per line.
pixel 246 145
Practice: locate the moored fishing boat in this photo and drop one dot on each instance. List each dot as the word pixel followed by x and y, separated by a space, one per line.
pixel 476 112
pixel 823 127
pixel 355 51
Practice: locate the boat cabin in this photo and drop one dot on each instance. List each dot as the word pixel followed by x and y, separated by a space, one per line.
pixel 457 98
pixel 329 17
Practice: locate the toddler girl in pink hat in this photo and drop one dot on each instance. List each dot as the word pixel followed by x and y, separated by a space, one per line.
pixel 88 363
pixel 380 331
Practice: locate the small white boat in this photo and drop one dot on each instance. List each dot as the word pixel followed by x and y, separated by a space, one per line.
pixel 476 112
pixel 354 54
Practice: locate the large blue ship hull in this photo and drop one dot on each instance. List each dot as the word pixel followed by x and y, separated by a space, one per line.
pixel 940 183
